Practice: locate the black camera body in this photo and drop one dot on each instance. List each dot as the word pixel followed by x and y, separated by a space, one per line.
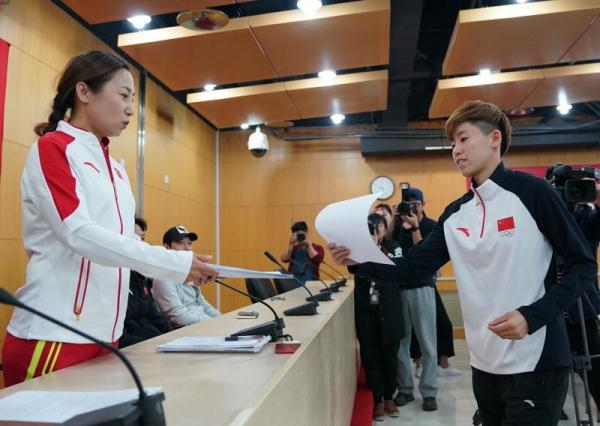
pixel 574 185
pixel 404 208
pixel 300 236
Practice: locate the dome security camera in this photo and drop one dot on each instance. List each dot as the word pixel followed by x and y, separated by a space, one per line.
pixel 258 144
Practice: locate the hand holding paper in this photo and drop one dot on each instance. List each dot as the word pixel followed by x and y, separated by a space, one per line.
pixel 344 226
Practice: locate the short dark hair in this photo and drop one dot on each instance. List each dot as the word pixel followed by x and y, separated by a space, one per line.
pixel 384 206
pixel 300 226
pixel 141 222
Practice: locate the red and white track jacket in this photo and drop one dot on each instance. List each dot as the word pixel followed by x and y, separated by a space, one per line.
pixel 78 221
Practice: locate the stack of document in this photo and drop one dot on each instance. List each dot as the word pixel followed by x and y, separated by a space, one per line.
pixel 215 344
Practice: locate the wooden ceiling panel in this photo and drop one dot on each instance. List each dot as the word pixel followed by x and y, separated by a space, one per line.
pixel 578 83
pixel 507 90
pixel 342 36
pixel 95 11
pixel 184 59
pixel 587 47
pixel 517 35
pixel 351 93
pixel 253 104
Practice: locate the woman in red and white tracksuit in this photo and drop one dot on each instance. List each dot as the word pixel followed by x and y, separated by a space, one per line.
pixel 78 222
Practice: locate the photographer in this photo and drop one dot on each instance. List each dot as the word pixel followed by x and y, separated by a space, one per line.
pixel 418 306
pixel 306 255
pixel 378 320
pixel 587 217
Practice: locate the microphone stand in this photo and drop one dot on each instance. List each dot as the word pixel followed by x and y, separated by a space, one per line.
pixel 272 328
pixel 146 411
pixel 327 289
pixel 340 283
pixel 304 309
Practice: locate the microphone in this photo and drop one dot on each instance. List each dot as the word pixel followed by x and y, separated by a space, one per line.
pixel 335 286
pixel 304 309
pixel 327 289
pixel 343 281
pixel 147 410
pixel 272 328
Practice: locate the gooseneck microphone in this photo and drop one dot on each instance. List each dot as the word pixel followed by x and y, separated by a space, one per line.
pixel 304 309
pixel 327 289
pixel 343 279
pixel 335 286
pixel 146 411
pixel 272 328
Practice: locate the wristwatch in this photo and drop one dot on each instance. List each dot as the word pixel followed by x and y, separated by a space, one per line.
pixel 414 228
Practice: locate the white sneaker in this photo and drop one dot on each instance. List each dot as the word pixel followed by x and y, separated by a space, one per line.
pixel 446 372
pixel 418 370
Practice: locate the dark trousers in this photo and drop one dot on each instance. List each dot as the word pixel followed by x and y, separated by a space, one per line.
pixel 445 338
pixel 379 356
pixel 593 338
pixel 532 399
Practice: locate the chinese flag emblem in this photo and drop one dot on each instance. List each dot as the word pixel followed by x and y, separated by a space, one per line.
pixel 506 224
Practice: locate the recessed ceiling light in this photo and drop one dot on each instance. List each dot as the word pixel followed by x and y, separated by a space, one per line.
pixel 139 21
pixel 209 87
pixel 327 75
pixel 245 126
pixel 564 108
pixel 309 6
pixel 485 71
pixel 521 1
pixel 337 118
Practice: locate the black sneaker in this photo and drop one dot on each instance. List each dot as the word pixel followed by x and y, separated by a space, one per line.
pixel 429 403
pixel 403 398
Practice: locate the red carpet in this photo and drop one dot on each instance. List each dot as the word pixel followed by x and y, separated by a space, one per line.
pixel 362 414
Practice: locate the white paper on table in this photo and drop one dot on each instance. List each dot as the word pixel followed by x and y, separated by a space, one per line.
pixel 345 224
pixel 60 406
pixel 232 272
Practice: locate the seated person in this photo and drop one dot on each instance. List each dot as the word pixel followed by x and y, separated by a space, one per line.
pixel 143 320
pixel 182 303
pixel 305 255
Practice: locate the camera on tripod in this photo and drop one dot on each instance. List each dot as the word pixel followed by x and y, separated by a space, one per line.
pixel 574 185
pixel 405 208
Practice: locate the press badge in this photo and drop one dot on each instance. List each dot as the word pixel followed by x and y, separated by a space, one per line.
pixel 373 294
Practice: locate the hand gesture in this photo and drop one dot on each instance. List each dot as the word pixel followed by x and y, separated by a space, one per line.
pixel 411 219
pixel 340 255
pixel 200 272
pixel 511 326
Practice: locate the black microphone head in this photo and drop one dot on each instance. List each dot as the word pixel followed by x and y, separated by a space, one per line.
pixel 7 298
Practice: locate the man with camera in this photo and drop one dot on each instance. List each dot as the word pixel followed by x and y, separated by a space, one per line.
pixel 417 301
pixel 306 256
pixel 581 192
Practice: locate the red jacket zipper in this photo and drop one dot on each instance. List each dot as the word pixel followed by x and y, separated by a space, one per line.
pixel 78 308
pixel 483 207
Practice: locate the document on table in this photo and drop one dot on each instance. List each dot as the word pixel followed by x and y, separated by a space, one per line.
pixel 60 406
pixel 345 224
pixel 232 272
pixel 251 344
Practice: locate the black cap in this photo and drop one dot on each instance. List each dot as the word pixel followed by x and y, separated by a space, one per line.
pixel 178 233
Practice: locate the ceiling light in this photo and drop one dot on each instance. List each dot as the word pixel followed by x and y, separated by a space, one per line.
pixel 327 75
pixel 209 87
pixel 485 72
pixel 245 126
pixel 309 6
pixel 337 118
pixel 521 1
pixel 564 108
pixel 139 21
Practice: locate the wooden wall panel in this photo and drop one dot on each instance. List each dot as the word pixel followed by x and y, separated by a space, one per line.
pixel 262 197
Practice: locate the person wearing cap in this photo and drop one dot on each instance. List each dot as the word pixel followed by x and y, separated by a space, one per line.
pixel 503 237
pixel 418 307
pixel 182 303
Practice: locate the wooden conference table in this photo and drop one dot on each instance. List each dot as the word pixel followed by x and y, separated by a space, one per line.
pixel 313 386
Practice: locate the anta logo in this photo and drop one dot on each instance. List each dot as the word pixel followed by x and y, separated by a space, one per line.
pixel 506 227
pixel 87 163
pixel 464 231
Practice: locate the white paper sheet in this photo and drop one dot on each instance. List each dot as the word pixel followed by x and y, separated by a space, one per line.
pixel 345 223
pixel 232 272
pixel 60 406
pixel 215 344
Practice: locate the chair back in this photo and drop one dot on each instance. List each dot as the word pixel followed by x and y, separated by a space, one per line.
pixel 260 287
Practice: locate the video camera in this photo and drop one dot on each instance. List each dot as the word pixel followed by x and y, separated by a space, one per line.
pixel 405 208
pixel 574 185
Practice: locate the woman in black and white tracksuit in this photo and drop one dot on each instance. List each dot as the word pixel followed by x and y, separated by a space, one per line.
pixel 501 237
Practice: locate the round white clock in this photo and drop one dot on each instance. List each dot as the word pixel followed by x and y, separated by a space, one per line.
pixel 384 185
